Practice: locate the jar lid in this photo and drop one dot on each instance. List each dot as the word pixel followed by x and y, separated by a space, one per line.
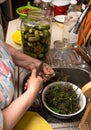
pixel 60 2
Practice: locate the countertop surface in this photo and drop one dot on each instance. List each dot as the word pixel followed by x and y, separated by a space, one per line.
pixel 14 25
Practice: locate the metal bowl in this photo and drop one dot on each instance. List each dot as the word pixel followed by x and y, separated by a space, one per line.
pixel 82 100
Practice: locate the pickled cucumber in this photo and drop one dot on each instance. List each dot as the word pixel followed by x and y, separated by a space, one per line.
pixel 33 39
pixel 43 26
pixel 36 40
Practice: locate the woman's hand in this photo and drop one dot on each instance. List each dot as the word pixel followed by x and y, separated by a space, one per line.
pixel 34 84
pixel 46 72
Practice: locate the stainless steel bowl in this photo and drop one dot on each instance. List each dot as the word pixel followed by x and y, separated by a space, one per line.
pixel 82 101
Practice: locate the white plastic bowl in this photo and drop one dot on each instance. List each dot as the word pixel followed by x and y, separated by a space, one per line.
pixel 82 102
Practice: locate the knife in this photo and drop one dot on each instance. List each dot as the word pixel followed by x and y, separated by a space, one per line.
pixel 39 68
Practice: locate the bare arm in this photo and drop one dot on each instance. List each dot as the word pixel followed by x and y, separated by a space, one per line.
pixel 27 62
pixel 22 60
pixel 13 113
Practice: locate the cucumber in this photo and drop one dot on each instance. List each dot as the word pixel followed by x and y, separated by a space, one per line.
pixel 42 26
pixel 33 39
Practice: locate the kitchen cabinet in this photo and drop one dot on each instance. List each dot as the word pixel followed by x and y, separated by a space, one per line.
pixel 7 8
pixel 10 8
pixel 1 2
pixel 11 5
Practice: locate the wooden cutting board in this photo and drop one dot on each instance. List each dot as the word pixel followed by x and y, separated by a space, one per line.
pixel 32 121
pixel 85 122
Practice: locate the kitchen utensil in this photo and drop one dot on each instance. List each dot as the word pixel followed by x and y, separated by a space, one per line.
pixel 39 69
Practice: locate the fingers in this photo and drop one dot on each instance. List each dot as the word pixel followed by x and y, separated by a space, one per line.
pixel 47 72
pixel 33 78
pixel 33 73
pixel 26 85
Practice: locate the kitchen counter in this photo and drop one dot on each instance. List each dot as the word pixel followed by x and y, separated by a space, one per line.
pixel 14 25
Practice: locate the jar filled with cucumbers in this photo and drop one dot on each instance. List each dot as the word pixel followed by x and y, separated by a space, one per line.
pixel 36 35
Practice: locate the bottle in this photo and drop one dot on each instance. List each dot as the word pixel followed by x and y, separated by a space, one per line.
pixel 1 33
pixel 36 35
pixel 69 23
pixel 46 7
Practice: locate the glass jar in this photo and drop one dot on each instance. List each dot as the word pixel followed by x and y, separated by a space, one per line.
pixel 36 36
pixel 46 7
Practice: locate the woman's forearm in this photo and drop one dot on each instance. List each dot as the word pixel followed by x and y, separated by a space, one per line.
pixel 13 113
pixel 17 109
pixel 27 62
pixel 22 60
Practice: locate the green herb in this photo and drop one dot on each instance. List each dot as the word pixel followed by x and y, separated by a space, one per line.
pixel 62 99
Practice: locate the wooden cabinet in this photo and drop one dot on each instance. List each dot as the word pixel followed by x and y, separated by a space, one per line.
pixel 1 2
pixel 7 9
